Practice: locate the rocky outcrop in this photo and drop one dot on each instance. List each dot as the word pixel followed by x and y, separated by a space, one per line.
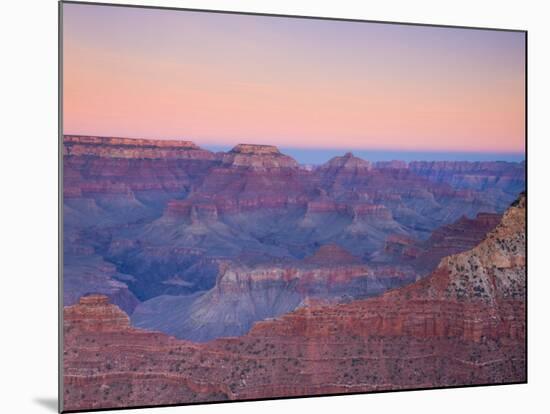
pixel 107 363
pixel 339 173
pixel 347 163
pixel 462 325
pixel 94 313
pixel 494 272
pixel 258 157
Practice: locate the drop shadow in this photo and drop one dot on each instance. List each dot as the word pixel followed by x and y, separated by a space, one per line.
pixel 49 403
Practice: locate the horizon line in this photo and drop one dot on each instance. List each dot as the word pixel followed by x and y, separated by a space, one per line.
pixel 319 156
pixel 305 148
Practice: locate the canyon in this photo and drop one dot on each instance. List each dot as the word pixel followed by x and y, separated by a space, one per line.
pixel 462 324
pixel 202 245
pixel 245 294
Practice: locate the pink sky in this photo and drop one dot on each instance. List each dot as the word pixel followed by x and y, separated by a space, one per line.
pixel 224 79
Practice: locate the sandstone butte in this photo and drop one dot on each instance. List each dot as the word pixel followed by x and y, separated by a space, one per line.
pixel 463 324
pixel 258 157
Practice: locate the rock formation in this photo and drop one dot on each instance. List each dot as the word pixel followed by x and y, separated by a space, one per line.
pixel 145 219
pixel 107 363
pixel 464 324
pixel 258 157
pixel 348 163
pixel 245 294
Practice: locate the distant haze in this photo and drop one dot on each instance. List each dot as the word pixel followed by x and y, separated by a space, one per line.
pixel 220 79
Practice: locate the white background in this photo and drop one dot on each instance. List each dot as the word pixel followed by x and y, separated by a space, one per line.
pixel 28 226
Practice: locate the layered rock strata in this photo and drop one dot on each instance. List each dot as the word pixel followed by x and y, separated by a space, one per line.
pixel 245 294
pixel 450 239
pixel 145 219
pixel 462 325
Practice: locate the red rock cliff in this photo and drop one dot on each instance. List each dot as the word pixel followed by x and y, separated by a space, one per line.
pixel 464 324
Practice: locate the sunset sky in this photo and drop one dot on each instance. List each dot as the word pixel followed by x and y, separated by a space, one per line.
pixel 221 79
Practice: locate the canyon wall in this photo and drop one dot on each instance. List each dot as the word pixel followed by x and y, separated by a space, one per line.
pixel 155 222
pixel 463 324
pixel 246 294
